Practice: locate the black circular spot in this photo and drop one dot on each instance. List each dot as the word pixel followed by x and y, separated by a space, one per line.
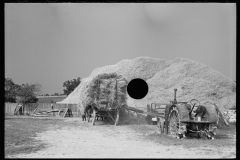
pixel 137 88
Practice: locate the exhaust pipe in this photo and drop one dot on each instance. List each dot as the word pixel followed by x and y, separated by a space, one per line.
pixel 175 93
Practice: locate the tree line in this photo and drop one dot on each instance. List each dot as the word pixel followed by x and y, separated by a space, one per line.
pixel 55 94
pixel 27 93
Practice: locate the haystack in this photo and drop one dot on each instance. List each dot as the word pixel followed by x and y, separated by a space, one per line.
pixel 191 78
pixel 108 88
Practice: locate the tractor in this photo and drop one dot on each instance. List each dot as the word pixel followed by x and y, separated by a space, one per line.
pixel 181 119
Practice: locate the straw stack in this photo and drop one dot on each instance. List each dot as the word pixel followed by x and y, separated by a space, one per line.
pixel 191 78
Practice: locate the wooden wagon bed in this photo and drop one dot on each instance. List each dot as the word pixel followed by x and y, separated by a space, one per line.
pixel 112 113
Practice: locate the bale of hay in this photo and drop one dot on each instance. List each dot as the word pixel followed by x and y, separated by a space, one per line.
pixel 106 87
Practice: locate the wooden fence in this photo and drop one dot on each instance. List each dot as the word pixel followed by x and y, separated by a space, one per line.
pixel 9 108
pixel 29 108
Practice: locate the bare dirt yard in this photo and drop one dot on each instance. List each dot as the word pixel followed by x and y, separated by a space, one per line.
pixel 28 137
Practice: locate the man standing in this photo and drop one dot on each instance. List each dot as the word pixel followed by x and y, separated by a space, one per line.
pixel 52 105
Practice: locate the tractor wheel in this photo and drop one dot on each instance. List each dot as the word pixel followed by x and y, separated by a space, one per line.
pixel 174 122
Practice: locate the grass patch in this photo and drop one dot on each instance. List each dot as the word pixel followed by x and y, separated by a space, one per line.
pixel 19 133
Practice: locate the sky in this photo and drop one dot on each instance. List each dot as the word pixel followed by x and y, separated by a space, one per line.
pixel 50 43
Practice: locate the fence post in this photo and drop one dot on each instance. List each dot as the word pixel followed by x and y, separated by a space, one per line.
pixel 76 109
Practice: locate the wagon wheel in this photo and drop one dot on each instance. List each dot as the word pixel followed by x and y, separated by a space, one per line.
pixel 160 124
pixel 117 117
pixel 149 119
pixel 174 122
pixel 94 117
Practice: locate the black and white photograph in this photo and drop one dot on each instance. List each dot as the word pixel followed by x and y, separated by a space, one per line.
pixel 120 80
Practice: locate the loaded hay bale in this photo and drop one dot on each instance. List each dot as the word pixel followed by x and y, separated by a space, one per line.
pixel 106 87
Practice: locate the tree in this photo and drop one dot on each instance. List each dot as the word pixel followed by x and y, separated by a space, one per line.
pixel 10 90
pixel 71 85
pixel 27 93
pixel 56 94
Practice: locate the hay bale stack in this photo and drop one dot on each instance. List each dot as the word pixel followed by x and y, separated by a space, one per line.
pixel 192 79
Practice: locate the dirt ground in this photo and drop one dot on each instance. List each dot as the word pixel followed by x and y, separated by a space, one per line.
pixel 82 140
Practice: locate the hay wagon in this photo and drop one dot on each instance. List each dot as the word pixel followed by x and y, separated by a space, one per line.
pixel 107 93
